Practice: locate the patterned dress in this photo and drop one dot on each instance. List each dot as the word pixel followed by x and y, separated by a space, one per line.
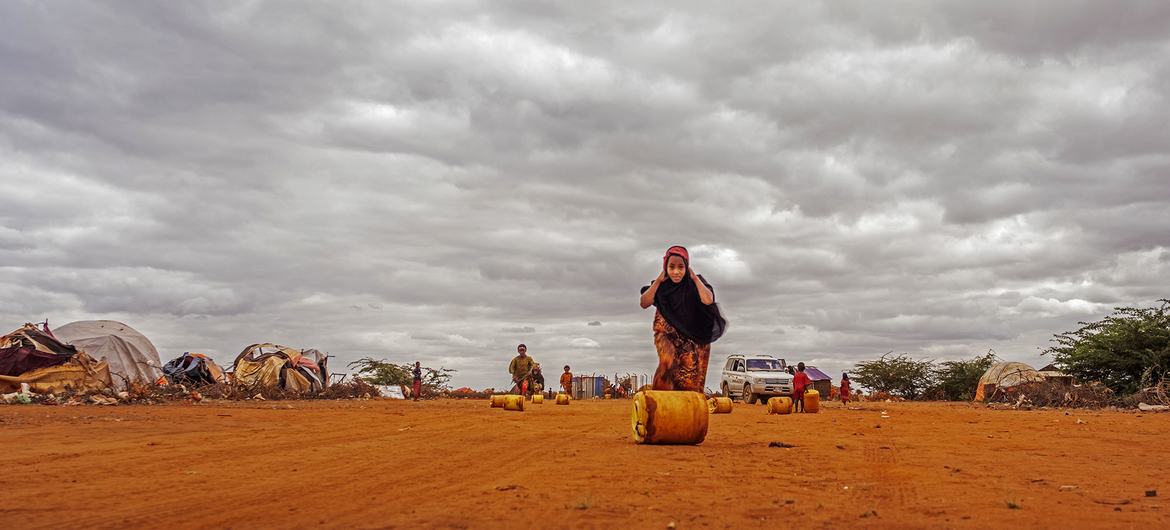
pixel 682 363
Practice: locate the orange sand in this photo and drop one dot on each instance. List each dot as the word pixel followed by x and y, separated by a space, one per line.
pixel 460 464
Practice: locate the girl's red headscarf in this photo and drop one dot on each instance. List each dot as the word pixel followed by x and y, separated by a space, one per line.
pixel 677 251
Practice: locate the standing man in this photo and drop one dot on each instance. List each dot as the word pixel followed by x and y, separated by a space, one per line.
pixel 521 369
pixel 416 389
pixel 567 381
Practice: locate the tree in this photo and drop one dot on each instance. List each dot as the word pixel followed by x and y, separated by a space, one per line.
pixel 383 372
pixel 899 375
pixel 956 380
pixel 1127 351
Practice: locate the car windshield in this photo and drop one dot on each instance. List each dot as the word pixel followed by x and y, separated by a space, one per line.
pixel 762 365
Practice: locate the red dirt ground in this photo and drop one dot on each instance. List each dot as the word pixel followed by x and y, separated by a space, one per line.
pixel 460 464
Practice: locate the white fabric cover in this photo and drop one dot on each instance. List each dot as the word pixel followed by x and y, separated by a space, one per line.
pixel 129 353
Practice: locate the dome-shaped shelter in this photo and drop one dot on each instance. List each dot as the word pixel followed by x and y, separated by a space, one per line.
pixel 129 353
pixel 1005 375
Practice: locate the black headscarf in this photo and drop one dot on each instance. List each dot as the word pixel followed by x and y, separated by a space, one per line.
pixel 680 305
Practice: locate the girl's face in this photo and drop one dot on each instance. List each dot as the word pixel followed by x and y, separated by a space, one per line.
pixel 676 268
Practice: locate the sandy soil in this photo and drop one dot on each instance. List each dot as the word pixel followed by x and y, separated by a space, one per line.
pixel 459 464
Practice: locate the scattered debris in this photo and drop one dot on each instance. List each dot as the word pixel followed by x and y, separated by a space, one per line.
pixel 1081 422
pixel 670 525
pixel 781 444
pixel 507 487
pixel 871 513
pixel 1068 487
pixel 841 447
pixel 1151 493
pixel 1144 407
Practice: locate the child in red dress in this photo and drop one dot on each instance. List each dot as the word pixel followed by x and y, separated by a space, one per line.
pixel 845 388
pixel 800 383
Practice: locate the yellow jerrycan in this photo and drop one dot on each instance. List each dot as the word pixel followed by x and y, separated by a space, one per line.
pixel 780 405
pixel 812 401
pixel 719 405
pixel 669 417
pixel 497 401
pixel 514 402
pixel 562 399
pixel 537 399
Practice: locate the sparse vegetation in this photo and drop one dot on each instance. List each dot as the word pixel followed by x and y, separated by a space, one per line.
pixel 382 372
pixel 1128 351
pixel 898 375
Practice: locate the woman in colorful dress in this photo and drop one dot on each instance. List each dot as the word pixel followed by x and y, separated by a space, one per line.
pixel 686 322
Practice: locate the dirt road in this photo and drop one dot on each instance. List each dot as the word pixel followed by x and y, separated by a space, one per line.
pixel 459 464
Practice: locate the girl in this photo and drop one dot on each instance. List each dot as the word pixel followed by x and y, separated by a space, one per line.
pixel 686 322
pixel 845 389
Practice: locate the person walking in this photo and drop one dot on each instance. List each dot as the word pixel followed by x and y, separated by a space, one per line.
pixel 416 388
pixel 686 321
pixel 845 389
pixel 521 370
pixel 567 381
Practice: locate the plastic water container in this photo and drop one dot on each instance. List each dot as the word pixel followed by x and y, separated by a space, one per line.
pixel 780 405
pixel 669 417
pixel 812 401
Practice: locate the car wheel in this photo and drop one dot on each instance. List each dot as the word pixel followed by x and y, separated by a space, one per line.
pixel 748 396
pixel 726 391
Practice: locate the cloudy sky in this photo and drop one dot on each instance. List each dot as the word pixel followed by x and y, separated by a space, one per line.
pixel 443 180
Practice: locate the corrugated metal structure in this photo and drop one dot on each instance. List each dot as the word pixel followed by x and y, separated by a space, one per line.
pixel 588 386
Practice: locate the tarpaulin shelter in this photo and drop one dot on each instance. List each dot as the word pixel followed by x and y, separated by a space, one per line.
pixel 1005 375
pixel 274 366
pixel 130 354
pixel 1052 373
pixel 193 369
pixel 33 355
pixel 29 348
pixel 821 382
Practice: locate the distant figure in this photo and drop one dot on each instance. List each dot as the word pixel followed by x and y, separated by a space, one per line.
pixel 416 389
pixel 686 322
pixel 800 383
pixel 567 381
pixel 521 369
pixel 845 388
pixel 537 380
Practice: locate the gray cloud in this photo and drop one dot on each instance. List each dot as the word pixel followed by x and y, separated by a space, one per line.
pixel 441 182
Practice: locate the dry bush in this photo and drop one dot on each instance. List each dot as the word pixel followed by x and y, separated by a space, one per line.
pixel 1055 394
pixel 1158 394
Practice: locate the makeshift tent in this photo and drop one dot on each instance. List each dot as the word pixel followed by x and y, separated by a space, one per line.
pixel 34 356
pixel 274 366
pixel 130 354
pixel 1054 374
pixel 1005 375
pixel 821 382
pixel 29 348
pixel 193 369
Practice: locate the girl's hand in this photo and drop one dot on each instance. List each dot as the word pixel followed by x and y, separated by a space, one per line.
pixel 661 276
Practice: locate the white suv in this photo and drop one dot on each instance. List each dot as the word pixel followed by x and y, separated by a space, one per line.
pixel 755 377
